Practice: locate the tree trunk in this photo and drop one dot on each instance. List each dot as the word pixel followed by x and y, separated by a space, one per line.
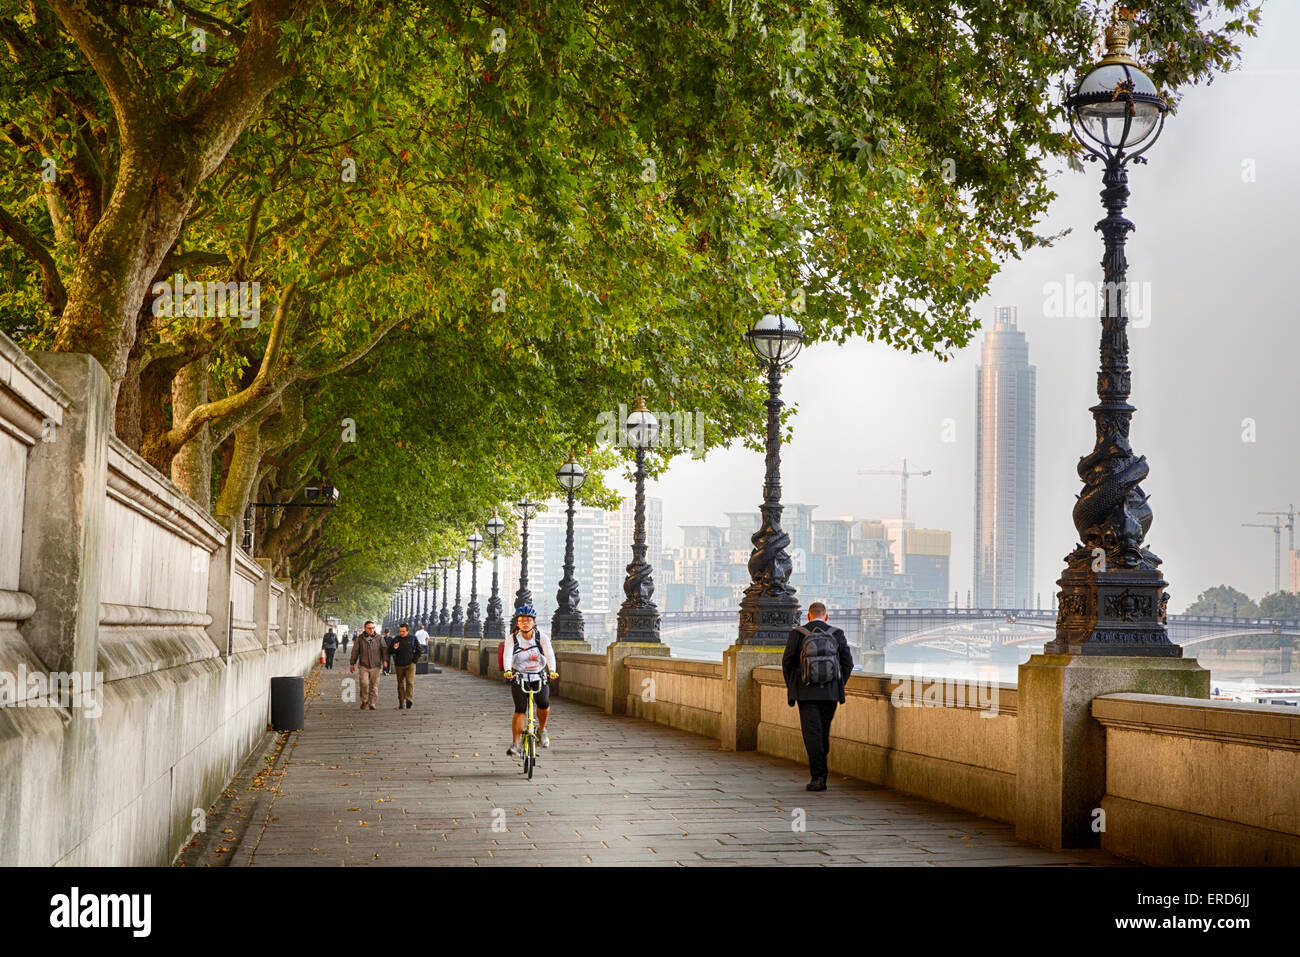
pixel 192 467
pixel 241 476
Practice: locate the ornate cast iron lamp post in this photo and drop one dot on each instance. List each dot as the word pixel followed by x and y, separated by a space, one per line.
pixel 473 623
pixel 1112 598
pixel 567 623
pixel 432 618
pixel 638 617
pixel 495 626
pixel 769 608
pixel 443 624
pixel 457 617
pixel 525 509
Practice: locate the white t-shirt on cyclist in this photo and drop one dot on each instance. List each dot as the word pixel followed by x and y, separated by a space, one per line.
pixel 533 656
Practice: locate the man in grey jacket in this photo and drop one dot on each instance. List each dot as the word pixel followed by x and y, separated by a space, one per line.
pixel 370 651
pixel 817 664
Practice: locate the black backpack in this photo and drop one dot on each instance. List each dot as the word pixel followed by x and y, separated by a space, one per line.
pixel 819 658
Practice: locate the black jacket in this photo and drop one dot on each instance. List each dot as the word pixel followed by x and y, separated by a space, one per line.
pixel 330 642
pixel 403 650
pixel 796 690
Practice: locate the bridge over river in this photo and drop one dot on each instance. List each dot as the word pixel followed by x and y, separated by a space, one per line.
pixel 967 632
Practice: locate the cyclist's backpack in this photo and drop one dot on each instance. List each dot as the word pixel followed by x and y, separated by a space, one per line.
pixel 819 658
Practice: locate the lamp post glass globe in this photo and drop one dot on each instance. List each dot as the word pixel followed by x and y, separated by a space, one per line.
pixel 571 475
pixel 775 339
pixel 525 508
pixel 642 426
pixel 1115 108
pixel 495 527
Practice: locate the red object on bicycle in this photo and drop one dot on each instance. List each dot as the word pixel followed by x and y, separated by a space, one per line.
pixel 501 656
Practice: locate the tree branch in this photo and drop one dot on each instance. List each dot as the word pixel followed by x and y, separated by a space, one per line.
pixel 52 284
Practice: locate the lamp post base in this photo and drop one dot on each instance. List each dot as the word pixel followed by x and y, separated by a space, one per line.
pixel 1115 612
pixel 494 628
pixel 639 624
pixel 767 621
pixel 567 626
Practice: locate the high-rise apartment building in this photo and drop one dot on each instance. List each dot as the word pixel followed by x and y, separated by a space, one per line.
pixel 592 560
pixel 622 526
pixel 1004 468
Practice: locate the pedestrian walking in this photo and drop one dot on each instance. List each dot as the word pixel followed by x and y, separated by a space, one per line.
pixel 370 652
pixel 817 664
pixel 388 646
pixel 402 655
pixel 345 641
pixel 422 639
pixel 330 645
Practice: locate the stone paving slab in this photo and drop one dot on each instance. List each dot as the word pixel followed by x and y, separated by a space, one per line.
pixel 432 785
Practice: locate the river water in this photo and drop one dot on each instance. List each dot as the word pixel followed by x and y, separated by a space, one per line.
pixel 706 642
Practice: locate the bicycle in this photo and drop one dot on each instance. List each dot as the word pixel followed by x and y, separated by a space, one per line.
pixel 531 684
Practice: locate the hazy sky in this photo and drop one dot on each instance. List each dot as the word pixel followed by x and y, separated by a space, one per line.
pixel 1221 256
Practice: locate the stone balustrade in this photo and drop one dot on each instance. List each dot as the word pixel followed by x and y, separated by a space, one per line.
pixel 137 642
pixel 1196 782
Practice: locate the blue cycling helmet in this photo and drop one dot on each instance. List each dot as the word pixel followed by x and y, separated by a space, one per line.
pixel 528 610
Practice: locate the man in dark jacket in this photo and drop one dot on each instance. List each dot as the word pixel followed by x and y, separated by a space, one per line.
pixel 815 681
pixel 330 645
pixel 402 654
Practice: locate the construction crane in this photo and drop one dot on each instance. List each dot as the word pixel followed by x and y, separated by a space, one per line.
pixel 1289 515
pixel 904 474
pixel 1277 548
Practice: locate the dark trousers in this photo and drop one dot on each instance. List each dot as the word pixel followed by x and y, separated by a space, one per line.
pixel 329 657
pixel 815 719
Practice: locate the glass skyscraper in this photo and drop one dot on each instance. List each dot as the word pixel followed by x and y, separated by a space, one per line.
pixel 1004 468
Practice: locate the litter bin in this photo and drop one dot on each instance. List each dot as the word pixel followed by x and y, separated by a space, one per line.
pixel 287 704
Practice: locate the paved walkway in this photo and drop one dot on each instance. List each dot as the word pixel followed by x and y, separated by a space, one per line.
pixel 432 785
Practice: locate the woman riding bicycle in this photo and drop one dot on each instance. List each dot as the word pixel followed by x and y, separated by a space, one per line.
pixel 529 655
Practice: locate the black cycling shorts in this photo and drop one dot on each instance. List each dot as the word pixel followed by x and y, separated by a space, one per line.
pixel 541 698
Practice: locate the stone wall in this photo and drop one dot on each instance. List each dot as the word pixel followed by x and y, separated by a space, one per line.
pixel 582 677
pixel 166 635
pixel 676 692
pixel 950 742
pixel 1194 782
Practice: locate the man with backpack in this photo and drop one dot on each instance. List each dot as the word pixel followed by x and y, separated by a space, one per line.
pixel 329 645
pixel 817 664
